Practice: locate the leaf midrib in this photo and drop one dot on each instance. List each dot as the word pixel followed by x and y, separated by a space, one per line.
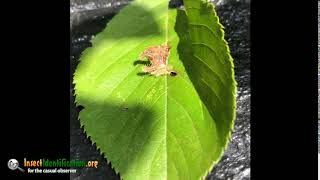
pixel 166 90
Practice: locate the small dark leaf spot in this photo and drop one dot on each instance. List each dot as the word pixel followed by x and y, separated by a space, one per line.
pixel 125 109
pixel 173 73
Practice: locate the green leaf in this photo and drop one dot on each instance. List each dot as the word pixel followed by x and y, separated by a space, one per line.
pixel 209 64
pixel 158 127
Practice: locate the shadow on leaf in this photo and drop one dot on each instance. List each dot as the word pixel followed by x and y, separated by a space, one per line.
pixel 120 129
pixel 194 68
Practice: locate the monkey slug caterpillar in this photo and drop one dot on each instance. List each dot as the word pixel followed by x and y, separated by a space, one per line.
pixel 158 57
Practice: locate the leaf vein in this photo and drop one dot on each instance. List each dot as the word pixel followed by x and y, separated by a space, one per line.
pixel 219 78
pixel 191 119
pixel 146 93
pixel 211 49
pixel 181 150
pixel 207 27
